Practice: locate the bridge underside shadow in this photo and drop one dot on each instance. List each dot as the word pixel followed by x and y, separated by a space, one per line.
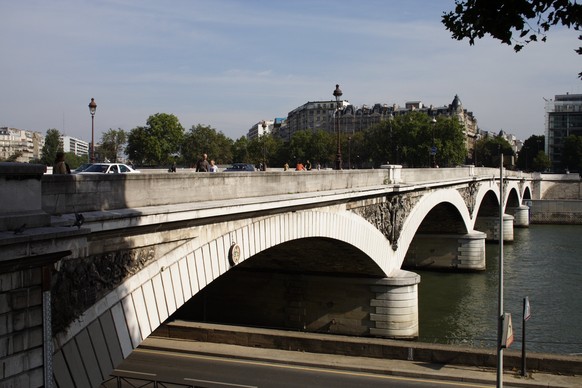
pixel 312 284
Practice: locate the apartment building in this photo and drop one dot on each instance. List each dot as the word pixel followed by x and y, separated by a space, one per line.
pixel 260 128
pixel 26 145
pixel 74 145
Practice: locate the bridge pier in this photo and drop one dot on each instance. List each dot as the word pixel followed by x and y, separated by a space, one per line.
pixel 347 305
pixel 490 225
pixel 521 216
pixel 452 251
pixel 395 306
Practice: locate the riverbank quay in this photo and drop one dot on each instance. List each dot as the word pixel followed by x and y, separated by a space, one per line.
pixel 401 358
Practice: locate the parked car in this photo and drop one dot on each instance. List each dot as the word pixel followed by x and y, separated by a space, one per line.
pixel 108 168
pixel 82 167
pixel 240 167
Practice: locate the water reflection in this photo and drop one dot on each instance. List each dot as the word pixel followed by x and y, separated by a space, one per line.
pixel 542 263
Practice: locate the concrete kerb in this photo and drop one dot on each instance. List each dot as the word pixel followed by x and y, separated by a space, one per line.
pixel 368 347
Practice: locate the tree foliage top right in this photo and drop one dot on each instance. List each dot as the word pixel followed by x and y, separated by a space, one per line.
pixel 514 22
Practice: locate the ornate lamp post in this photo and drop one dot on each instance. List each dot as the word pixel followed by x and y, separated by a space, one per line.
pixel 92 109
pixel 338 160
pixel 433 149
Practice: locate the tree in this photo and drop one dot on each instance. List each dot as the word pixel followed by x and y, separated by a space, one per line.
pixel 503 20
pixel 321 146
pixel 532 146
pixel 449 141
pixel 74 160
pixel 408 139
pixel 572 153
pixel 316 146
pixel 112 143
pixel 52 144
pixel 240 150
pixel 137 143
pixel 357 153
pixel 157 142
pixel 541 162
pixel 488 148
pixel 203 139
pixel 381 144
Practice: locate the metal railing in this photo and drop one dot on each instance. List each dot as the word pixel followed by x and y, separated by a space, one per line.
pixel 132 382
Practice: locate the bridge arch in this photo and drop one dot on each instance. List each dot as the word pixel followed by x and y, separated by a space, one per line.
pixel 111 329
pixel 451 204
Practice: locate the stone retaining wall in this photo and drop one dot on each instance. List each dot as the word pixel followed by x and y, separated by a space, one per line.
pixel 555 212
pixel 367 347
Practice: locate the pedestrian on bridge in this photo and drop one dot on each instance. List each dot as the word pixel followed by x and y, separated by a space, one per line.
pixel 61 167
pixel 202 165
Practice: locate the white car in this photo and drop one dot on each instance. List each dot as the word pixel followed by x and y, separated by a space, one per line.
pixel 108 168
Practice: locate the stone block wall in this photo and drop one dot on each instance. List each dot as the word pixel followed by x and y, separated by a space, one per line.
pixel 20 194
pixel 555 212
pixel 21 332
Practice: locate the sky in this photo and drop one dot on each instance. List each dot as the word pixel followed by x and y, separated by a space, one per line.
pixel 229 64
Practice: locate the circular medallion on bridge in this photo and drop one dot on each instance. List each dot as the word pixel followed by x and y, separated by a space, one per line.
pixel 234 254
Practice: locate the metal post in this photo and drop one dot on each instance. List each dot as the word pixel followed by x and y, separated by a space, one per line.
pixel 92 138
pixel 47 327
pixel 526 315
pixel 500 302
pixel 349 152
pixel 338 161
pixel 92 109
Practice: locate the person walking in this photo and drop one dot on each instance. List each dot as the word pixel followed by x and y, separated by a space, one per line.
pixel 213 167
pixel 61 167
pixel 202 165
pixel 308 165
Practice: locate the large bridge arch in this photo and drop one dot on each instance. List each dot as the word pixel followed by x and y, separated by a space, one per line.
pixel 109 331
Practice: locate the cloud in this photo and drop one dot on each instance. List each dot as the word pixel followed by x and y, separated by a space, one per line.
pixel 230 64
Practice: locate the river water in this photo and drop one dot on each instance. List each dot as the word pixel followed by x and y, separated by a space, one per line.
pixel 543 263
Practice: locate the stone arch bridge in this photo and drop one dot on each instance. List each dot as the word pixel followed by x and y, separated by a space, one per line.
pixel 108 259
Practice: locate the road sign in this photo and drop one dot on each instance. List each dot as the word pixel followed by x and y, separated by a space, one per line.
pixel 526 309
pixel 433 150
pixel 507 334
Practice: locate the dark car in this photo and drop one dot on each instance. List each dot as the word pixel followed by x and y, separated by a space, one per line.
pixel 82 167
pixel 240 167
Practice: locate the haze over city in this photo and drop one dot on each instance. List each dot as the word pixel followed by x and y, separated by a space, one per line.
pixel 229 64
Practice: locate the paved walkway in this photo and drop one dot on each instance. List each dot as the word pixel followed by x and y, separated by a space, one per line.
pixel 373 365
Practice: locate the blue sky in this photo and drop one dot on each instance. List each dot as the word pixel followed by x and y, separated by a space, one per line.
pixel 230 64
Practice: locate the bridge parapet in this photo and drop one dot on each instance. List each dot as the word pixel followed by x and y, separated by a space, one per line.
pixel 83 193
pixel 67 194
pixel 20 196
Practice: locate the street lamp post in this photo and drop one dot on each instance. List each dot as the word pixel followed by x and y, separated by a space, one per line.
pixel 264 125
pixel 349 152
pixel 338 160
pixel 433 148
pixel 92 109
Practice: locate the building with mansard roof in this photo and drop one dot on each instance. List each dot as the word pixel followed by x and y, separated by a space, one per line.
pixel 325 115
